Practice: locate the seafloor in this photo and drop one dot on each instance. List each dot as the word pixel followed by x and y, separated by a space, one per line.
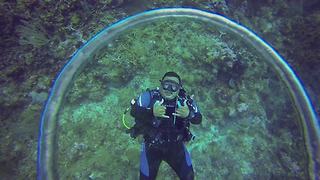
pixel 250 128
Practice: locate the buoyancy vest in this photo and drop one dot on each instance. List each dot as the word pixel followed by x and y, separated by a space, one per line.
pixel 152 127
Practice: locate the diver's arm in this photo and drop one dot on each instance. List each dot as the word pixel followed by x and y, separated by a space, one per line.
pixel 141 112
pixel 196 119
pixel 194 116
pixel 141 108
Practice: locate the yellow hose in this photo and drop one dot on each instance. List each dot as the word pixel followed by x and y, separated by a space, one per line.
pixel 123 119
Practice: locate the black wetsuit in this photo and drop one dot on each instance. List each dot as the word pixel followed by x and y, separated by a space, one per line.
pixel 164 137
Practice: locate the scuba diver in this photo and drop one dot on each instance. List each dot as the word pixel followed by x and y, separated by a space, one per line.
pixel 163 117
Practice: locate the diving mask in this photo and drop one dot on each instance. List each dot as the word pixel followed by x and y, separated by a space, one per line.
pixel 170 86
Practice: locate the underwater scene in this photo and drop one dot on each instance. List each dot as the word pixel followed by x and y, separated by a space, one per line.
pixel 249 129
pixel 251 126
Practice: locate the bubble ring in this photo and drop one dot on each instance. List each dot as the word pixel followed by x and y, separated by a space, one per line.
pixel 46 142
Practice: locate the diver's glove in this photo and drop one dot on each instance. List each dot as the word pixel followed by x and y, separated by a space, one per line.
pixel 182 111
pixel 159 110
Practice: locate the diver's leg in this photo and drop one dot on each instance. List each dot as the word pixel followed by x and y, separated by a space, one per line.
pixel 150 160
pixel 179 159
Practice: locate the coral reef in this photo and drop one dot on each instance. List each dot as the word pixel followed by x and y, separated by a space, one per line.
pixel 32 34
pixel 239 136
pixel 240 97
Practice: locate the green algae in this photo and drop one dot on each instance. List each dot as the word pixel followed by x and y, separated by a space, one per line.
pixel 238 136
pixel 56 16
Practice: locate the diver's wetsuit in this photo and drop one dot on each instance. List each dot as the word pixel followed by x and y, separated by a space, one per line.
pixel 164 138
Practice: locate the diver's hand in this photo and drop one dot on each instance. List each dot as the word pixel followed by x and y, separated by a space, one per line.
pixel 183 111
pixel 159 110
